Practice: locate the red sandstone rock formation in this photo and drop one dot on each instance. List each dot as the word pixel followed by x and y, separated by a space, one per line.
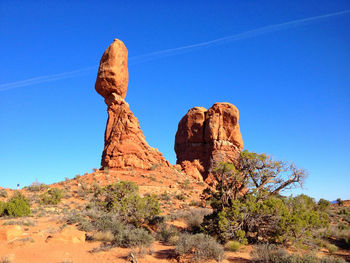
pixel 125 144
pixel 210 136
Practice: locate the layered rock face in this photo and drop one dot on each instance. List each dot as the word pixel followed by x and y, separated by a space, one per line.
pixel 125 145
pixel 210 136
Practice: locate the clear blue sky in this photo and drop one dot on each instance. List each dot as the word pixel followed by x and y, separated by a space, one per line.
pixel 291 84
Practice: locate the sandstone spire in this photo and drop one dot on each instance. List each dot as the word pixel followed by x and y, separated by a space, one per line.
pixel 125 145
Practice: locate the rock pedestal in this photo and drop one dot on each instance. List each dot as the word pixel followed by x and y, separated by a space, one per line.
pixel 125 145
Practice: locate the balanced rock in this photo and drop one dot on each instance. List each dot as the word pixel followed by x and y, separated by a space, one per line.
pixel 113 73
pixel 125 145
pixel 209 136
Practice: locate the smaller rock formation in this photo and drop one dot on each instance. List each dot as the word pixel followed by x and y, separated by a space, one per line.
pixel 209 136
pixel 125 145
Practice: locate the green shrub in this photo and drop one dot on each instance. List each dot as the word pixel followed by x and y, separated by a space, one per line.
pixel 324 204
pixel 202 247
pixel 37 187
pixel 124 200
pixel 17 206
pixel 332 248
pixel 233 246
pixel 52 197
pixel 2 208
pixel 268 218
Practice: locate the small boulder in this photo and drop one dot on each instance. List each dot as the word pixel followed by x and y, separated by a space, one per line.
pixel 68 235
pixel 10 233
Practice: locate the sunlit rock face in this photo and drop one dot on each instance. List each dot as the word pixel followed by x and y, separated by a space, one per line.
pixel 209 136
pixel 124 144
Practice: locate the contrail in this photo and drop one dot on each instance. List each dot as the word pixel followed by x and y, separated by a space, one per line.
pixel 174 51
pixel 42 79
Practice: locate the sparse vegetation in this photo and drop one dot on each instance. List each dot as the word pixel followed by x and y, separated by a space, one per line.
pixel 202 247
pixel 22 222
pixel 233 246
pixel 272 254
pixel 36 187
pixel 51 197
pixel 167 234
pixel 124 200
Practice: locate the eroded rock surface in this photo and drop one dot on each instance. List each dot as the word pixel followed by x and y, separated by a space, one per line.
pixel 125 144
pixel 209 136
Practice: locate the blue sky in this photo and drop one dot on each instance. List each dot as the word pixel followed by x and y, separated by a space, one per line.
pixel 291 84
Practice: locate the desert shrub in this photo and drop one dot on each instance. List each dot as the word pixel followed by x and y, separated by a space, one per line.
pixel 3 193
pixel 233 246
pixel 137 237
pixel 167 233
pixel 186 185
pixel 2 208
pixel 51 197
pixel 339 201
pixel 202 247
pixel 37 187
pixel 110 228
pixel 194 218
pixel 17 206
pixel 24 222
pixel 123 199
pixel 324 204
pixel 332 248
pixel 270 218
pixel 268 253
pixel 165 196
pixel 247 206
pixel 181 196
pixel 331 260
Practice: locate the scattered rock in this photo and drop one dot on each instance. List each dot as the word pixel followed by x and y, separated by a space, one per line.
pixel 209 136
